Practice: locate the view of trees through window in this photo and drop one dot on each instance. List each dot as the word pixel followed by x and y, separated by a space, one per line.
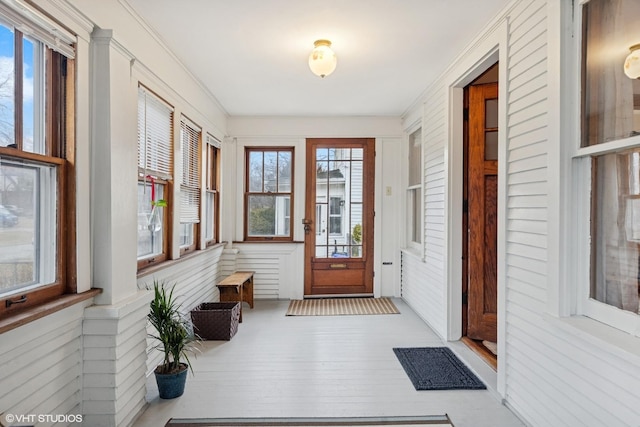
pixel 269 185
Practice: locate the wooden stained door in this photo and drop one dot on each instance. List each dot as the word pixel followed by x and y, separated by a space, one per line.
pixel 339 217
pixel 482 220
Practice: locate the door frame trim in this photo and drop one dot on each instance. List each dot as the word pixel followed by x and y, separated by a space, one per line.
pixel 478 58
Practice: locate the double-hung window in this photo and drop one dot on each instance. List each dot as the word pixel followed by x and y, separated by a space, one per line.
pixel 268 193
pixel 155 169
pixel 36 172
pixel 414 190
pixel 609 159
pixel 212 191
pixel 190 135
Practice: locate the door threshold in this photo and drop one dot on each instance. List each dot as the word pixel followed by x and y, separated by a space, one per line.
pixel 321 296
pixel 482 351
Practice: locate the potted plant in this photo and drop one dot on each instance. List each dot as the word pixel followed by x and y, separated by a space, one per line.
pixel 172 331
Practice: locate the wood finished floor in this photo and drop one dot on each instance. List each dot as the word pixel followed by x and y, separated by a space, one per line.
pixel 324 366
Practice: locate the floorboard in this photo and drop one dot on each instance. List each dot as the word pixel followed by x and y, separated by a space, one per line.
pixel 320 366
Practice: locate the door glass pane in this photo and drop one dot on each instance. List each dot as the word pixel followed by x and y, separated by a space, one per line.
pixel 338 194
pixel 491 145
pixel 356 182
pixel 321 224
pixel 356 230
pixel 321 251
pixel 491 113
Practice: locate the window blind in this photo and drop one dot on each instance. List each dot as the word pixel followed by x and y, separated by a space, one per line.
pixel 155 136
pixel 190 186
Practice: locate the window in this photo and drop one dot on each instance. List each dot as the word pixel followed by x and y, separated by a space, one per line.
pixel 610 156
pixel 335 215
pixel 414 190
pixel 190 186
pixel 212 191
pixel 155 168
pixel 268 193
pixel 35 176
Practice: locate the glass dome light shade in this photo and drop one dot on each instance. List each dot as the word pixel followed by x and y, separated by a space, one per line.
pixel 632 63
pixel 322 59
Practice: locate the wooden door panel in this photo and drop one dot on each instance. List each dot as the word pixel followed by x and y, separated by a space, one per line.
pixel 482 192
pixel 490 256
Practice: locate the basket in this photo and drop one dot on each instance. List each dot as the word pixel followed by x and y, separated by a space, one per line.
pixel 216 320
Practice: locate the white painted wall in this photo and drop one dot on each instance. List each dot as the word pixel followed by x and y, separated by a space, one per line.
pixel 555 367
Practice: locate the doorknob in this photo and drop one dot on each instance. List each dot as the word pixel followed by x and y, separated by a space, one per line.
pixel 307 225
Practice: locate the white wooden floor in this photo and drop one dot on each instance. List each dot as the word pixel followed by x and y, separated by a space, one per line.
pixel 331 366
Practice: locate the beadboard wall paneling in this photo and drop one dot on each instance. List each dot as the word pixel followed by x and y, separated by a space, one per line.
pixel 423 294
pixel 114 348
pixel 42 365
pixel 195 279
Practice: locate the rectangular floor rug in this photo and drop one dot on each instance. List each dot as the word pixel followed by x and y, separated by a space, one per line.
pixel 341 306
pixel 437 368
pixel 427 421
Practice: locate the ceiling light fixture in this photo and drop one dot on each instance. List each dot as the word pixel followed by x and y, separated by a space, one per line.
pixel 632 63
pixel 322 59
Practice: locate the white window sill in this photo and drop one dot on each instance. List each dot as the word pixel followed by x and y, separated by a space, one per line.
pixel 607 338
pixel 414 252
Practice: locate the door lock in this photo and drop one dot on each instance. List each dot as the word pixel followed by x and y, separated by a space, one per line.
pixel 307 225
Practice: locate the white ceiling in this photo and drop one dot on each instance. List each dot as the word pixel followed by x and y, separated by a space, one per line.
pixel 252 54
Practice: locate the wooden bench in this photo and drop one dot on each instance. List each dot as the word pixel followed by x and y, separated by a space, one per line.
pixel 237 287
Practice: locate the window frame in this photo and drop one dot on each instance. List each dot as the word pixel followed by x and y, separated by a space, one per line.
pixel 212 187
pixel 160 178
pixel 55 107
pixel 580 187
pixel 248 194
